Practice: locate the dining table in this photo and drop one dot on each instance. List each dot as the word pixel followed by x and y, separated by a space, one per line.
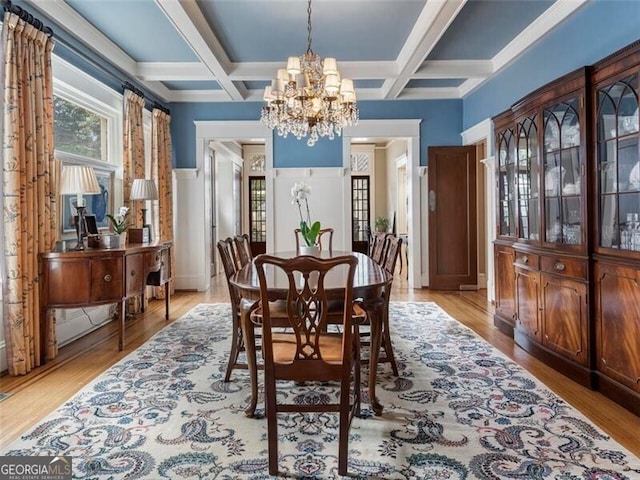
pixel 368 289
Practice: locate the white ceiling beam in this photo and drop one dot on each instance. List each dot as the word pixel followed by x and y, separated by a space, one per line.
pixel 173 71
pixel 191 24
pixel 435 18
pixel 454 69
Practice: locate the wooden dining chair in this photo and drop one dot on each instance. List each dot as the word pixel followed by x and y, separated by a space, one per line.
pixel 243 249
pixel 226 249
pixel 378 246
pixel 325 238
pixel 307 351
pixel 392 247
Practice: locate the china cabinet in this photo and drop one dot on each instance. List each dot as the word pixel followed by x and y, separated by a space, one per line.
pixel 567 249
pixel 616 257
pixel 505 300
pixel 547 269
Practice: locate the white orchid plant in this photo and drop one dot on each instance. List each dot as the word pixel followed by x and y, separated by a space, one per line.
pixel 309 231
pixel 120 222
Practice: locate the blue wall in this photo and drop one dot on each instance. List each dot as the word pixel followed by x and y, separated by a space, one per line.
pixel 597 30
pixel 441 125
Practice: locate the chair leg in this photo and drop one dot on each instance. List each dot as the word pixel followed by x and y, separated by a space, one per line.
pixel 386 342
pixel 357 374
pixel 236 347
pixel 343 435
pixel 272 426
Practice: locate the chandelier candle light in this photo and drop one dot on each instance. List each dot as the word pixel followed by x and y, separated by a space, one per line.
pixel 309 98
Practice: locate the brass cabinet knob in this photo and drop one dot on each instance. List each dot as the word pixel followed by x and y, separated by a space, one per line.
pixel 559 266
pixel 525 259
pixel 107 277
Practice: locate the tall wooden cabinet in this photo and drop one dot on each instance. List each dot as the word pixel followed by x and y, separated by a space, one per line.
pixel 567 253
pixel 616 205
pixel 506 221
pixel 545 264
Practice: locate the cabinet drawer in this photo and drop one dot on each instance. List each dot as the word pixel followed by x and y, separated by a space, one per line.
pixel 527 260
pixel 565 266
pixel 152 261
pixel 67 281
pixel 106 279
pixel 134 274
pixel 162 274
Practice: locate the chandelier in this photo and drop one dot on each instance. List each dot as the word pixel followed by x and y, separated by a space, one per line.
pixel 309 98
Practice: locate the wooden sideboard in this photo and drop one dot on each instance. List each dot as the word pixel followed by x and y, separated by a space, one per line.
pixel 76 279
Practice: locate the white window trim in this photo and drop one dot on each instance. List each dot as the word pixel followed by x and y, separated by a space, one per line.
pixel 74 85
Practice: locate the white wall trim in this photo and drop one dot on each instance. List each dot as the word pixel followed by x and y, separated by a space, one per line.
pixel 409 129
pixel 193 237
pixel 483 131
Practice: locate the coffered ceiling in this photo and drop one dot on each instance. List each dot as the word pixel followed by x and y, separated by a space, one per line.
pixel 228 50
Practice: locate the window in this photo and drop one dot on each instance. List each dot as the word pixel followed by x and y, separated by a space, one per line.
pixel 78 130
pixel 258 210
pixel 360 212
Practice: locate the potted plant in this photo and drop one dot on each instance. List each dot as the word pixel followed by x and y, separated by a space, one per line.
pixel 382 224
pixel 308 229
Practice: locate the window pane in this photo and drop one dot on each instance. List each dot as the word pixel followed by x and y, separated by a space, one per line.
pixel 78 130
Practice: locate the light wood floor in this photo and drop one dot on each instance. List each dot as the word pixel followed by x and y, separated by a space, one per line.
pixel 35 395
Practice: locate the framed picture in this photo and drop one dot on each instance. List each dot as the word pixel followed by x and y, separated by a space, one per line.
pixel 90 223
pixel 97 205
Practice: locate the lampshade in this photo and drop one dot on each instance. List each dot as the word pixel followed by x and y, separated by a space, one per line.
pixel 78 179
pixel 143 189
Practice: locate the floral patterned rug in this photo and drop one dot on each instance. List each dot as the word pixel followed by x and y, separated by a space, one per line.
pixel 459 410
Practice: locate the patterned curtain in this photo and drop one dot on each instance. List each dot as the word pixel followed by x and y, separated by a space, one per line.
pixel 133 164
pixel 29 188
pixel 161 173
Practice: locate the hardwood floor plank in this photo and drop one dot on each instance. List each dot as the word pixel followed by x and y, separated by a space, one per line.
pixel 35 395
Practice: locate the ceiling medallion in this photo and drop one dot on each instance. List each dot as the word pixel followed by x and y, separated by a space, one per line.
pixel 309 98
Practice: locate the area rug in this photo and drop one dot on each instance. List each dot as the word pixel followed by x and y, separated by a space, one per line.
pixel 458 410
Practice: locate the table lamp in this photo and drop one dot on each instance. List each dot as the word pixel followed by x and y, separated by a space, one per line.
pixel 144 189
pixel 77 179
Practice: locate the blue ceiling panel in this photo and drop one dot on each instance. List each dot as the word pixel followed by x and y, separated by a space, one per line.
pixel 368 83
pixel 255 30
pixel 192 85
pixel 435 82
pixel 256 85
pixel 130 25
pixel 468 36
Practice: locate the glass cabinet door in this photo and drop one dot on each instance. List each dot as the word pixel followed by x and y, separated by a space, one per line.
pixel 506 182
pixel 527 183
pixel 562 173
pixel 618 167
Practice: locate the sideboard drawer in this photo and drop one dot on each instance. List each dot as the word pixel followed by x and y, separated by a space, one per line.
pixel 153 261
pixel 67 281
pixel 134 274
pixel 106 279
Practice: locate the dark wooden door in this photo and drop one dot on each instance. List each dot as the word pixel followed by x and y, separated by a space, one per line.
pixel 452 218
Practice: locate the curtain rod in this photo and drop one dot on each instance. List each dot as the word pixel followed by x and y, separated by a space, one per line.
pixel 130 86
pixel 26 17
pixel 161 108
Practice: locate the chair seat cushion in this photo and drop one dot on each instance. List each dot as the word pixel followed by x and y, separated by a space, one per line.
pixel 284 347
